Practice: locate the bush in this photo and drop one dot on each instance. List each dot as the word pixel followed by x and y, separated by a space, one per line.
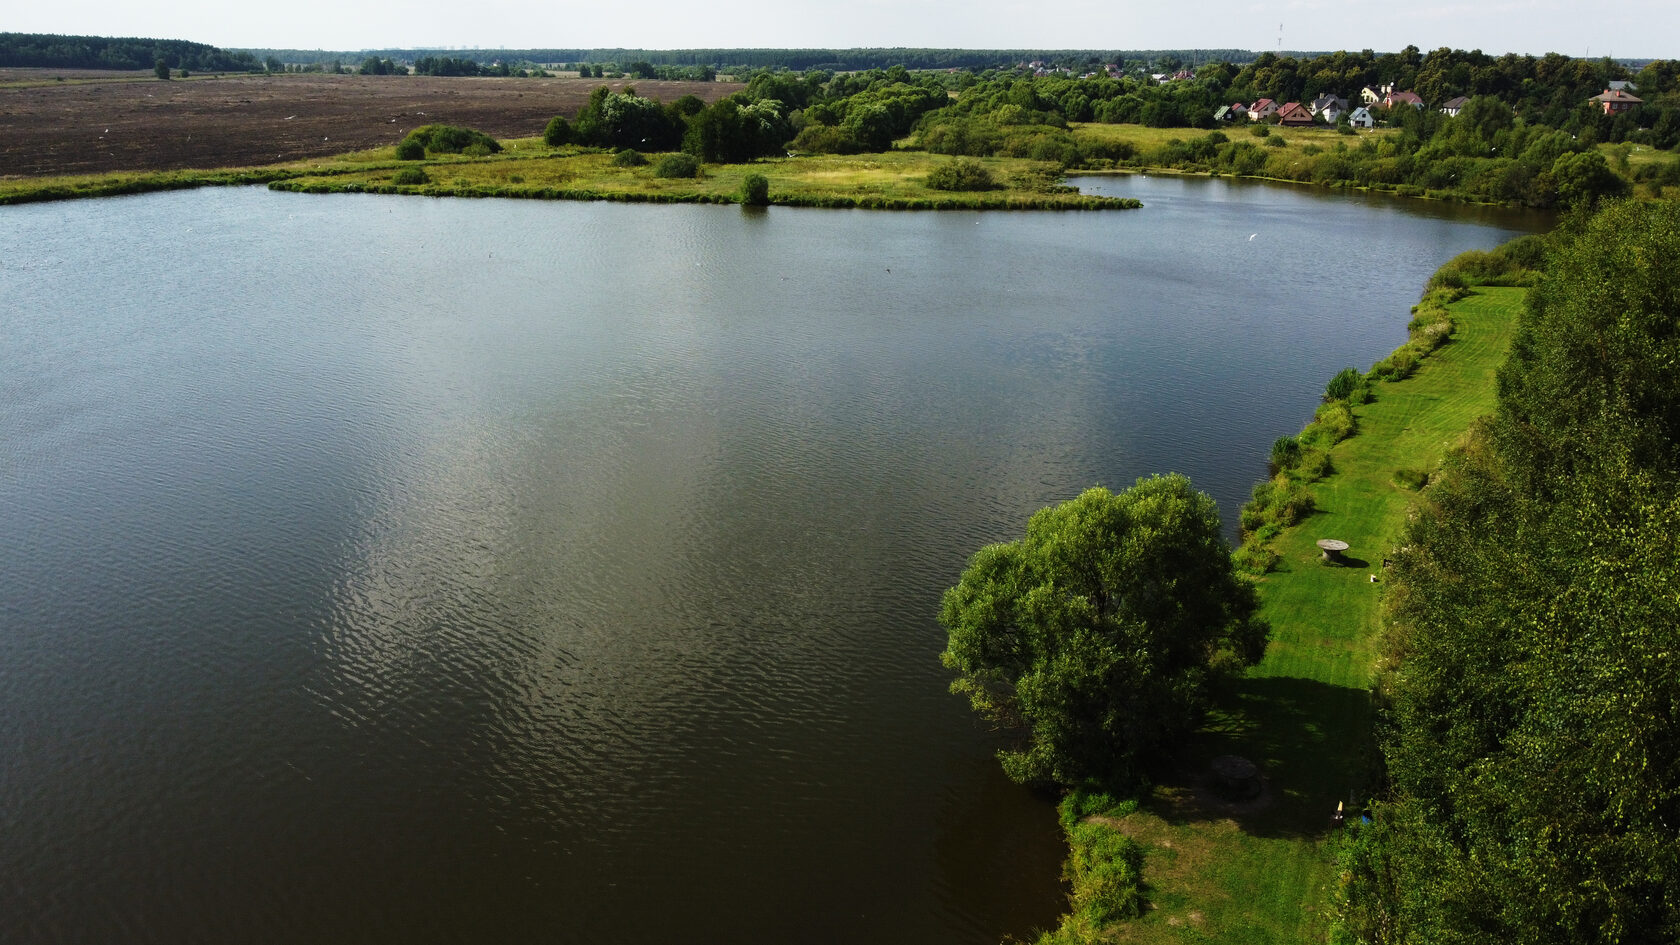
pixel 1260 131
pixel 1286 452
pixel 1276 142
pixel 1397 366
pixel 410 150
pixel 1255 558
pixel 557 132
pixel 410 176
pixel 755 190
pixel 1342 386
pixel 629 157
pixel 1314 465
pixel 679 164
pixel 962 174
pixel 1331 424
pixel 448 139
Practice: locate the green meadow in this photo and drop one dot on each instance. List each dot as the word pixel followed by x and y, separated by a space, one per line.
pixel 1261 871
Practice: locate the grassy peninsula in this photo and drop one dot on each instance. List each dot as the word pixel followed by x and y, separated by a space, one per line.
pixel 1263 870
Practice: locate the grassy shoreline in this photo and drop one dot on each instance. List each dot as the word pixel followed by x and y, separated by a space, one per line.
pixel 1261 871
pixel 527 169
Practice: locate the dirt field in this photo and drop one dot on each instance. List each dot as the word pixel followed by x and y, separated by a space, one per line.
pixel 93 122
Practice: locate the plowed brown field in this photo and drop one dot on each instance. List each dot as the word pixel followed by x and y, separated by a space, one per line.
pixel 96 122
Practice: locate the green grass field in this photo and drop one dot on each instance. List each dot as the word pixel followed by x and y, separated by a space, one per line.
pixel 1260 871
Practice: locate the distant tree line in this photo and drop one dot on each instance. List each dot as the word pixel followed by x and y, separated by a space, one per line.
pixel 832 60
pixel 1489 152
pixel 41 50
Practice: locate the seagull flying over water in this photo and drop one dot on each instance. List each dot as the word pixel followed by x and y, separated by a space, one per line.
pixel 1251 236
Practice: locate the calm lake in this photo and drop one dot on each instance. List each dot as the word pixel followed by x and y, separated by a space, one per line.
pixel 380 569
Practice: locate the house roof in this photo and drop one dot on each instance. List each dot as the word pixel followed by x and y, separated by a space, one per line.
pixel 1410 98
pixel 1456 102
pixel 1616 95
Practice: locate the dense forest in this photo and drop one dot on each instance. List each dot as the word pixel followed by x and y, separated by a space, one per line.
pixel 101 52
pixel 1531 689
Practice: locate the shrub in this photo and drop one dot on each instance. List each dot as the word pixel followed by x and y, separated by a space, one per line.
pixel 1344 386
pixel 629 157
pixel 1286 452
pixel 1260 131
pixel 1332 423
pixel 962 174
pixel 1276 143
pixel 557 133
pixel 1255 558
pixel 448 139
pixel 410 176
pixel 755 190
pixel 679 164
pixel 1105 869
pixel 410 149
pixel 1314 465
pixel 1283 501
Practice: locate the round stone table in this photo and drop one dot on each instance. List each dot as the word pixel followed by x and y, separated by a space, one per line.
pixel 1332 548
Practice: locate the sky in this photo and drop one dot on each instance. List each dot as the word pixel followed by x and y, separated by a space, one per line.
pixel 1627 29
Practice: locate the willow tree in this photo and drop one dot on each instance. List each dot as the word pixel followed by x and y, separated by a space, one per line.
pixel 1096 634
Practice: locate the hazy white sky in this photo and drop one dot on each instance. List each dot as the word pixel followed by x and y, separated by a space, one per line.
pixel 1630 28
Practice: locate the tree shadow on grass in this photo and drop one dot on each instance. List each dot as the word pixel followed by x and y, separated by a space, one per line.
pixel 1311 743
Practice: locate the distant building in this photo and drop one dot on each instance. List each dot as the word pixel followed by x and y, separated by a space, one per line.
pixel 1453 106
pixel 1261 110
pixel 1616 100
pixel 1402 98
pixel 1294 115
pixel 1361 118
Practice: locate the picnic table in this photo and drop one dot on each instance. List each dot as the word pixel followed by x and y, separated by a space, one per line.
pixel 1332 548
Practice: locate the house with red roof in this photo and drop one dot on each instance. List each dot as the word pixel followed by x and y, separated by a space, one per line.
pixel 1261 110
pixel 1616 100
pixel 1295 115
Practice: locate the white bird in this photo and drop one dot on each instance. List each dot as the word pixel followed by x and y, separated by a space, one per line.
pixel 1251 236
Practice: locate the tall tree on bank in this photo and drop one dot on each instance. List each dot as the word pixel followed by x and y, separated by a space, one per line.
pixel 1096 634
pixel 1533 728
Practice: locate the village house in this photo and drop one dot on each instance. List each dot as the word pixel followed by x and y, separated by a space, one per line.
pixel 1294 115
pixel 1402 98
pixel 1453 106
pixel 1361 118
pixel 1261 110
pixel 1616 100
pixel 1331 108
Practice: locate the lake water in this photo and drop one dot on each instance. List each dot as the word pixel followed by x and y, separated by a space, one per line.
pixel 399 570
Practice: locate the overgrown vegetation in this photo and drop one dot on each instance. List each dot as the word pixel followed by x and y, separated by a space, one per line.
pixel 1532 654
pixel 447 139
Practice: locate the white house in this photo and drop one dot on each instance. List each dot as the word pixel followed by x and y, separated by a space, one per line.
pixel 1361 118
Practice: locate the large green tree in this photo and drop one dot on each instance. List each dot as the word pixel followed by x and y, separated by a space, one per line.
pixel 1096 634
pixel 1533 729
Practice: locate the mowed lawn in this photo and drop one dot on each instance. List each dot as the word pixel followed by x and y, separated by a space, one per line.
pixel 1261 871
